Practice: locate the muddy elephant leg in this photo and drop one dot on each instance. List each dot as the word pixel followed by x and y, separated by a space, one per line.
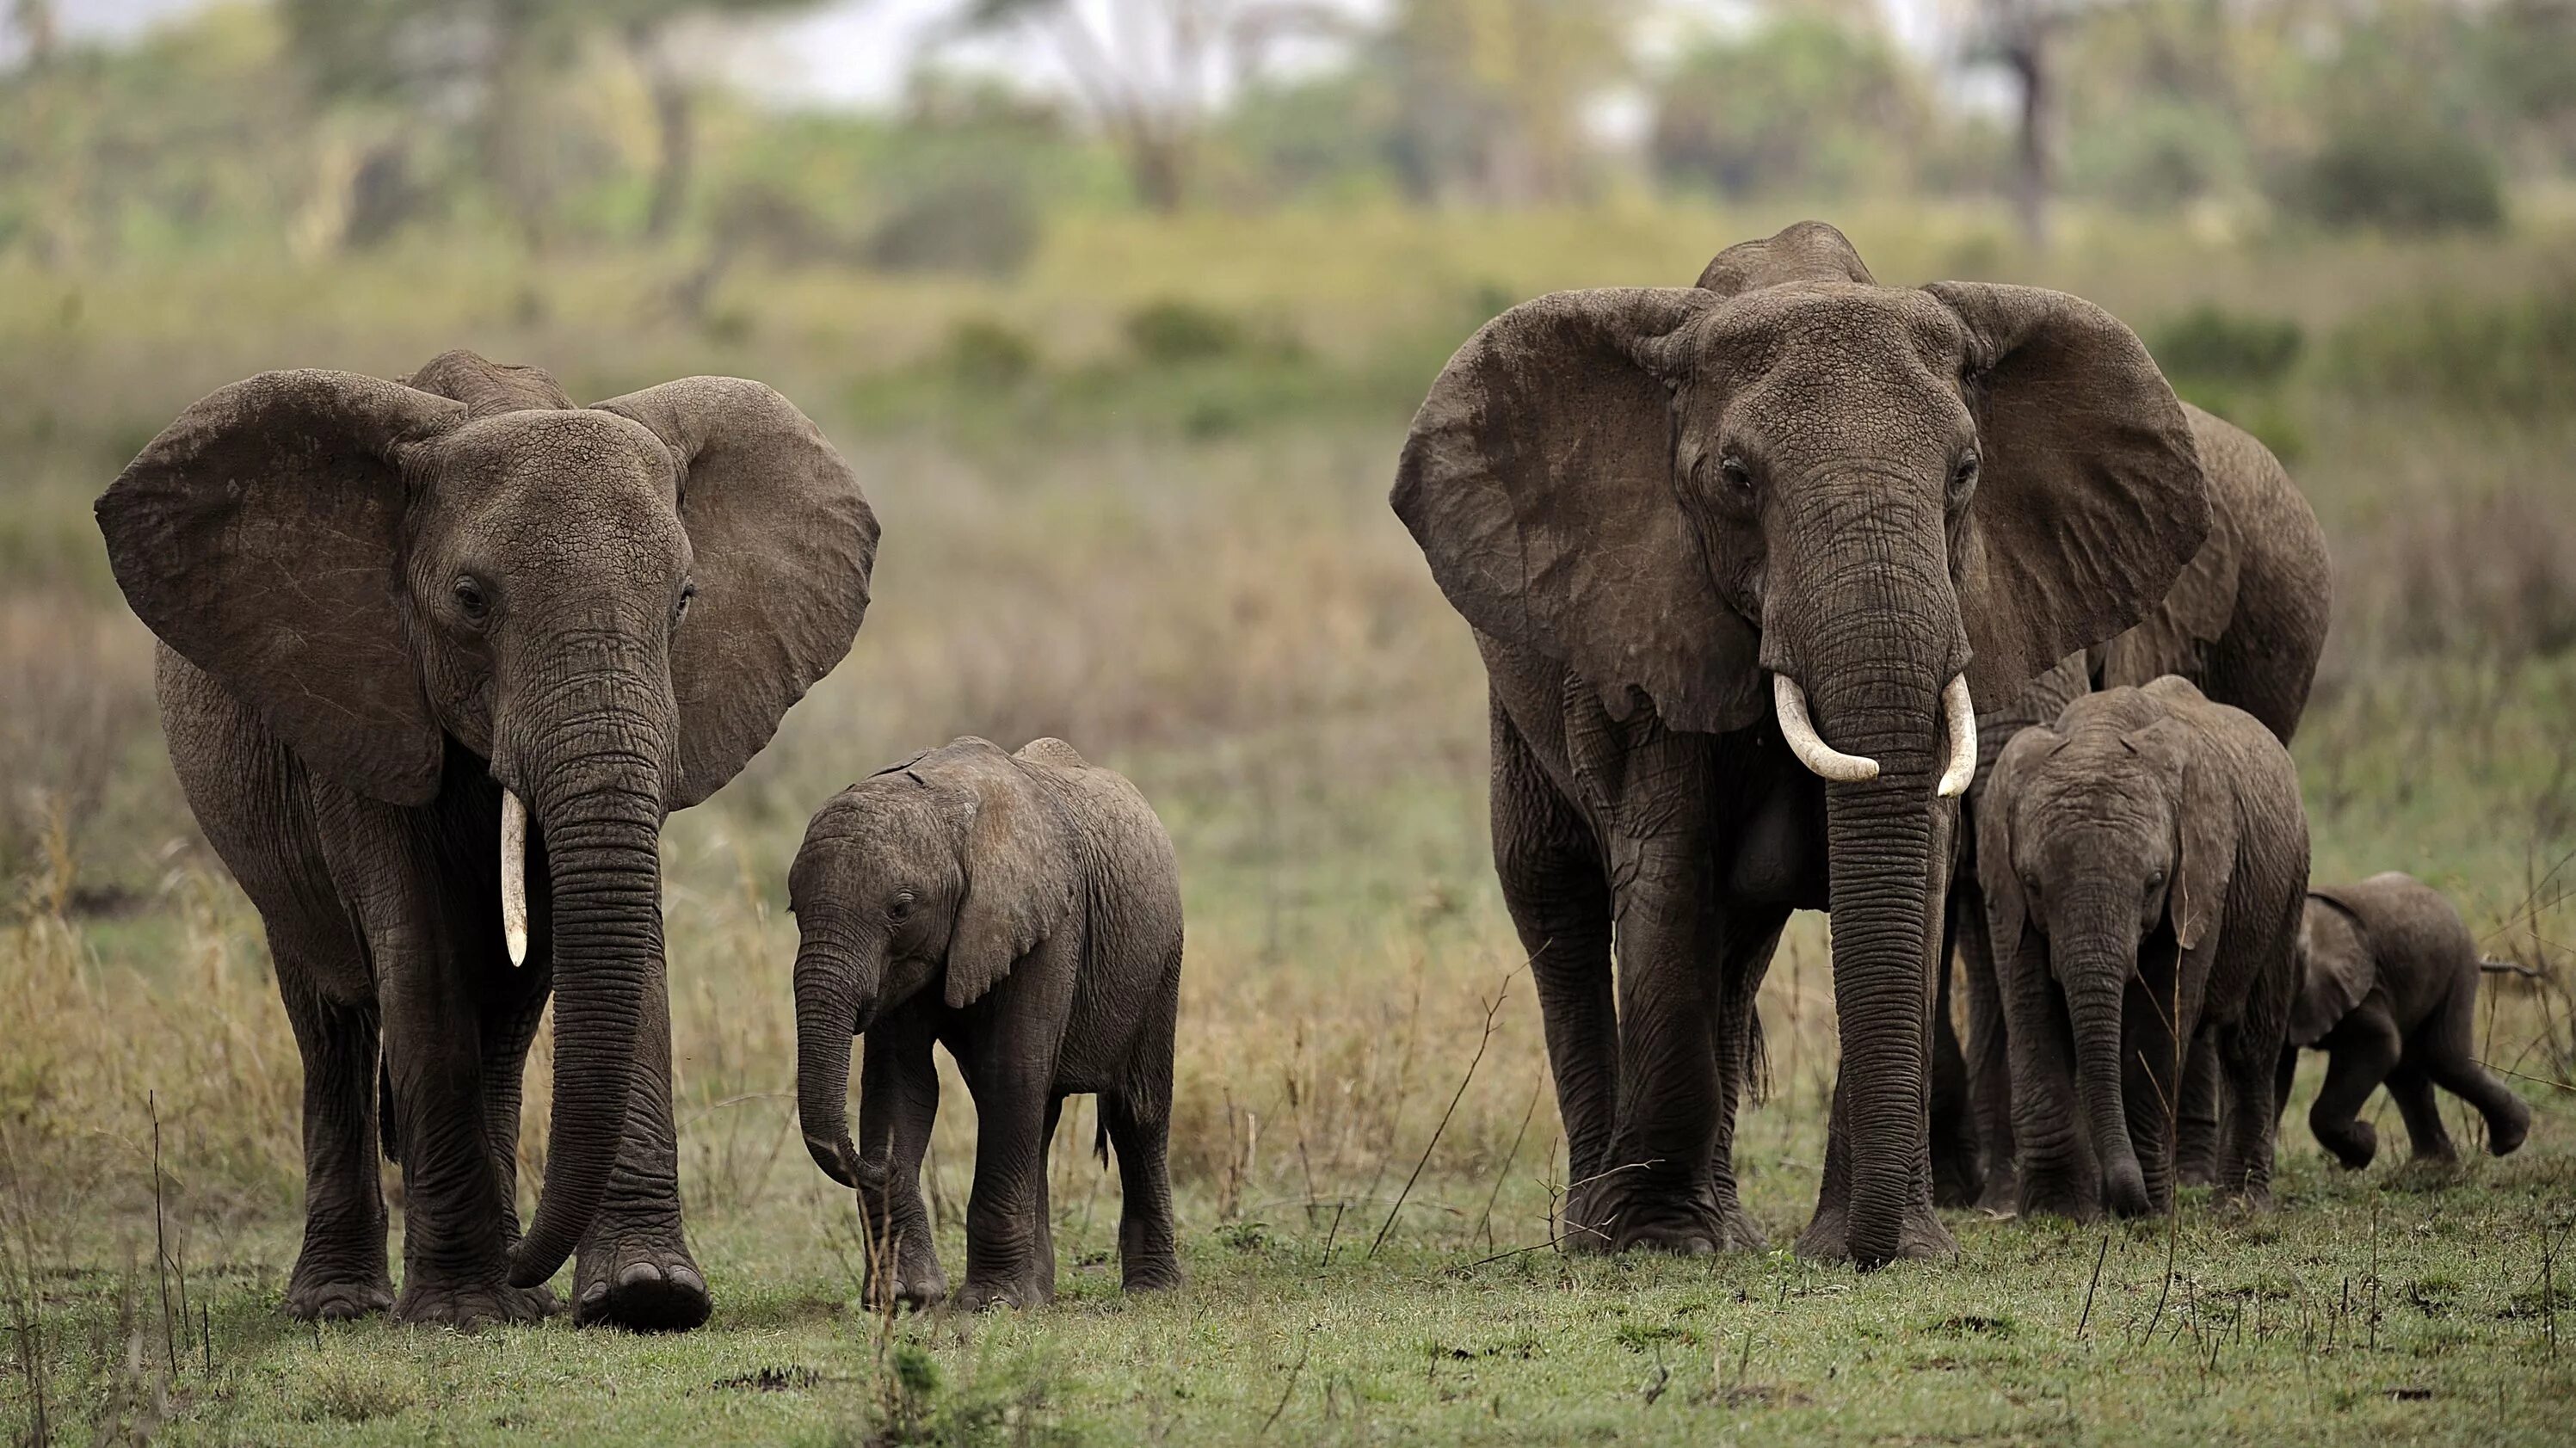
pixel 2359 1055
pixel 1138 1117
pixel 898 1104
pixel 341 1272
pixel 635 1270
pixel 1748 937
pixel 2411 1087
pixel 1989 1060
pixel 2196 1150
pixel 1550 868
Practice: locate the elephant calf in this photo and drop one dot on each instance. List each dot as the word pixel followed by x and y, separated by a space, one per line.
pixel 2389 991
pixel 1025 911
pixel 2143 862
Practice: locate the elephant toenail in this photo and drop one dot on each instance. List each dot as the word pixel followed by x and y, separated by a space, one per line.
pixel 595 1294
pixel 686 1277
pixel 636 1274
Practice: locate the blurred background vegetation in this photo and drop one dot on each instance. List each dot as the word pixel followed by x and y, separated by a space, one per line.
pixel 1120 307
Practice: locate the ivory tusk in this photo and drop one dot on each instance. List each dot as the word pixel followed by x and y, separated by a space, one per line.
pixel 1813 752
pixel 514 876
pixel 1961 712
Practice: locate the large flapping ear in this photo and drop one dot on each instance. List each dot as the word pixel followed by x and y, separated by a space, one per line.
pixel 2337 967
pixel 258 536
pixel 2205 827
pixel 1018 861
pixel 2090 498
pixel 2175 636
pixel 782 541
pixel 1538 479
pixel 1803 251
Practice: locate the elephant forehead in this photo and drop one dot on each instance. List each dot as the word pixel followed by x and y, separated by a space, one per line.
pixel 570 490
pixel 1848 322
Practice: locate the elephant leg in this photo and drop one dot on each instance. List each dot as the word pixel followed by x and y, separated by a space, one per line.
pixel 1138 1117
pixel 510 1018
pixel 341 1272
pixel 455 1245
pixel 1747 940
pixel 634 1269
pixel 2411 1087
pixel 1956 1178
pixel 898 1104
pixel 2196 1159
pixel 2451 1059
pixel 2247 1061
pixel 1550 867
pixel 2359 1055
pixel 1989 1060
pixel 1005 1233
pixel 2057 1170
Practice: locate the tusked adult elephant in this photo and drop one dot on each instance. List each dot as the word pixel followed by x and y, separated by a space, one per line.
pixel 438 656
pixel 1739 558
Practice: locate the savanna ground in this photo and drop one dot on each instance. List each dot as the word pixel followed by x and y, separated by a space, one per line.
pixel 1136 499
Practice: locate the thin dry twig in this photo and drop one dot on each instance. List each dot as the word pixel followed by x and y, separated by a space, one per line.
pixel 1492 1011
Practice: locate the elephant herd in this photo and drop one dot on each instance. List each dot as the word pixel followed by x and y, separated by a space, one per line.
pixel 1931 608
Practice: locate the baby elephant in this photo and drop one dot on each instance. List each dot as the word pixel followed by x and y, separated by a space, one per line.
pixel 2142 861
pixel 2389 990
pixel 1023 910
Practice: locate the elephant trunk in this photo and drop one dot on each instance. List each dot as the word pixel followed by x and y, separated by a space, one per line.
pixel 2096 979
pixel 828 1012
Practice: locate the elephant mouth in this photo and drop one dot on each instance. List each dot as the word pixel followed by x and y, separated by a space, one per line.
pixel 1959 721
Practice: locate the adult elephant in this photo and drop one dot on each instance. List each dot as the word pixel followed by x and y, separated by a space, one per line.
pixel 2246 622
pixel 437 658
pixel 1699 533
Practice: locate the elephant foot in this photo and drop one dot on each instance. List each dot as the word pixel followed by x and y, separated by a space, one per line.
pixel 2001 1196
pixel 1956 1179
pixel 1692 1224
pixel 1919 1238
pixel 472 1306
pixel 2197 1172
pixel 2353 1143
pixel 918 1281
pixel 2507 1129
pixel 643 1281
pixel 1024 1290
pixel 318 1301
pixel 1151 1274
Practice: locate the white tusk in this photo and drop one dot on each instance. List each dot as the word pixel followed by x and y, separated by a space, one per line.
pixel 1961 711
pixel 514 876
pixel 1813 752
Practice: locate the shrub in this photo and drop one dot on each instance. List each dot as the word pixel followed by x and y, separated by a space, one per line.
pixel 988 352
pixel 983 224
pixel 2515 356
pixel 1170 331
pixel 2211 343
pixel 2399 173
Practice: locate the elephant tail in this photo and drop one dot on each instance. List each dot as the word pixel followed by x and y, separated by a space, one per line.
pixel 2507 967
pixel 1757 1060
pixel 1100 1135
pixel 385 1110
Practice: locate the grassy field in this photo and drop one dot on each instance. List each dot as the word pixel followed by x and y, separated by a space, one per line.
pixel 1135 498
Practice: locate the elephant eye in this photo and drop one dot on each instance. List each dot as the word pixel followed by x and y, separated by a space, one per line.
pixel 1737 472
pixel 1963 477
pixel 471 600
pixel 680 610
pixel 900 906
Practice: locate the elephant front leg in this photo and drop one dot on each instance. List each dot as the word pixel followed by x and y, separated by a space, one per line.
pixel 341 1273
pixel 1009 1248
pixel 2196 1151
pixel 898 1105
pixel 1748 938
pixel 634 1270
pixel 1989 1061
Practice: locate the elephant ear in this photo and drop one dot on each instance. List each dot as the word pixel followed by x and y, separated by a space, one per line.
pixel 1803 251
pixel 2205 828
pixel 1018 862
pixel 1538 480
pixel 2090 498
pixel 2007 907
pixel 782 541
pixel 2337 969
pixel 258 536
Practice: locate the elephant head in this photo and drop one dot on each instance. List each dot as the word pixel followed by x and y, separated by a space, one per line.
pixel 1791 492
pixel 2109 848
pixel 952 865
pixel 606 608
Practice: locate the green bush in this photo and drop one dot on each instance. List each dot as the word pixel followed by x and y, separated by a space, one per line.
pixel 2398 173
pixel 2214 344
pixel 987 352
pixel 1170 331
pixel 986 225
pixel 2473 354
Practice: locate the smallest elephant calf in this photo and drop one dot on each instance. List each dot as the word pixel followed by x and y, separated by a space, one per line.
pixel 1024 910
pixel 2389 991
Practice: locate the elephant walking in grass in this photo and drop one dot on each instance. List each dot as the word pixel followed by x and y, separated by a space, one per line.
pixel 2144 858
pixel 437 657
pixel 2245 621
pixel 1740 558
pixel 2388 989
pixel 1024 910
